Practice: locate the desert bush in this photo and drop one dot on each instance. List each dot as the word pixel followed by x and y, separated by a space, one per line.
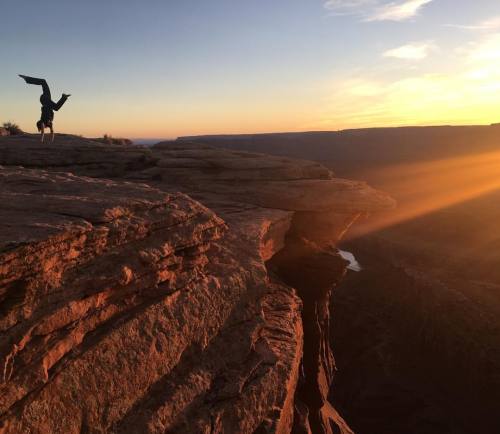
pixel 12 128
pixel 110 140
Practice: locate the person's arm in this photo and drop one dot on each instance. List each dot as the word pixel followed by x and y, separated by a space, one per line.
pixel 42 130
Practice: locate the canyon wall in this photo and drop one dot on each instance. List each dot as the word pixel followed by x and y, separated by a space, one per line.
pixel 416 332
pixel 175 289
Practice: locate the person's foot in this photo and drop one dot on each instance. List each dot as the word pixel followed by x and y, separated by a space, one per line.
pixel 66 95
pixel 23 76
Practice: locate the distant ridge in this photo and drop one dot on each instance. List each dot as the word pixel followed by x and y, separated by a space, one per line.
pixel 352 150
pixel 148 142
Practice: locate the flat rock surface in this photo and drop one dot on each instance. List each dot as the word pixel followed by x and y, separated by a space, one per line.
pixel 36 204
pixel 259 179
pixel 135 294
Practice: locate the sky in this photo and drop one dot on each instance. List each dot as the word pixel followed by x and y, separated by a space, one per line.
pixel 165 68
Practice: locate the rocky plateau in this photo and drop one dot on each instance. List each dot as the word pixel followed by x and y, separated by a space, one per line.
pixel 173 289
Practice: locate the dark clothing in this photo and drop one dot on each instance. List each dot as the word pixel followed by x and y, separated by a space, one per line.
pixel 39 82
pixel 48 106
pixel 47 116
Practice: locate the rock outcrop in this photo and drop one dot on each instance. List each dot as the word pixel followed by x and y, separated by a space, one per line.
pixel 416 333
pixel 174 289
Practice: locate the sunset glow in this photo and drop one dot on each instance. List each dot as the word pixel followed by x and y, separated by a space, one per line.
pixel 422 188
pixel 196 68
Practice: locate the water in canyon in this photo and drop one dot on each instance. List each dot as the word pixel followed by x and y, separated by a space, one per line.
pixel 354 265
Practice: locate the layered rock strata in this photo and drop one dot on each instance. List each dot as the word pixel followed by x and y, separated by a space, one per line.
pixel 191 298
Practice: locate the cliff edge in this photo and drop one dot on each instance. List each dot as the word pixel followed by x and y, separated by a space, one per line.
pixel 179 288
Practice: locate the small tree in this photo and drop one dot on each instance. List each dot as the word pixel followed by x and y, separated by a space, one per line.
pixel 12 128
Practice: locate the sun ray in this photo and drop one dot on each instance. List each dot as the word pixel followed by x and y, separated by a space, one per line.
pixel 424 187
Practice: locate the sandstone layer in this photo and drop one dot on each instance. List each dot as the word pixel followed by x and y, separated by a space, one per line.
pixel 416 333
pixel 180 288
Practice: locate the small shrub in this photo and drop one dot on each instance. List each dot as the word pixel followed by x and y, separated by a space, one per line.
pixel 12 128
pixel 109 140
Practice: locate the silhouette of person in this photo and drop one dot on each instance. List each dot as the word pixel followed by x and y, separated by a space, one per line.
pixel 48 106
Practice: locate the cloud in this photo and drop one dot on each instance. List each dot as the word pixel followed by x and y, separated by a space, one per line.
pixel 350 7
pixel 398 11
pixel 485 51
pixel 486 25
pixel 466 90
pixel 427 99
pixel 377 10
pixel 415 51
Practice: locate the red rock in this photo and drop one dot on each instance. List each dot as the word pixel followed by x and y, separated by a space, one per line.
pixel 133 307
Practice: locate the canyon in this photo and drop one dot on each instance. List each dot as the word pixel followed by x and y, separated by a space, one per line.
pixel 177 288
pixel 416 332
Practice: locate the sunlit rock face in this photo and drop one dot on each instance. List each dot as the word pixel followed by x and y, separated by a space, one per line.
pixel 416 333
pixel 192 297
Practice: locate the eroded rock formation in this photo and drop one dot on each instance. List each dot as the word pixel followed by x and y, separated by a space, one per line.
pixel 175 289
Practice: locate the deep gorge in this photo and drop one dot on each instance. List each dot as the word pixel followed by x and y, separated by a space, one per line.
pixel 180 288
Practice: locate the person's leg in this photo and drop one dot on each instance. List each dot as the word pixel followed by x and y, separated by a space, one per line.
pixel 39 82
pixel 52 133
pixel 56 106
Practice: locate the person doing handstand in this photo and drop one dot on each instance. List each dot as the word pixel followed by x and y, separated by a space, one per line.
pixel 48 106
